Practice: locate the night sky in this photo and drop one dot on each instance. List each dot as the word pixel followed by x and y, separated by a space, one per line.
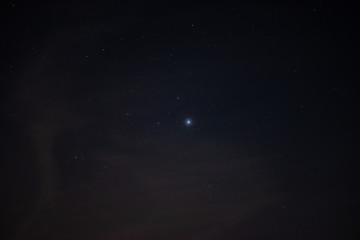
pixel 162 120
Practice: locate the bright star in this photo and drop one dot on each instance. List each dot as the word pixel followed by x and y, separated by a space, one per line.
pixel 188 122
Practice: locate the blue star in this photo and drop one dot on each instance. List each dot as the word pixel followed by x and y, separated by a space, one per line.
pixel 188 122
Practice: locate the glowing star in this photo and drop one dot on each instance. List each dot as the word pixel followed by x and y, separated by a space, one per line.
pixel 188 122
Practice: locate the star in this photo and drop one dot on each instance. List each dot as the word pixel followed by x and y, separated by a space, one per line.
pixel 188 122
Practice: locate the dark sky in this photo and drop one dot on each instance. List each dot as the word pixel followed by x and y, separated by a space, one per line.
pixel 94 101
